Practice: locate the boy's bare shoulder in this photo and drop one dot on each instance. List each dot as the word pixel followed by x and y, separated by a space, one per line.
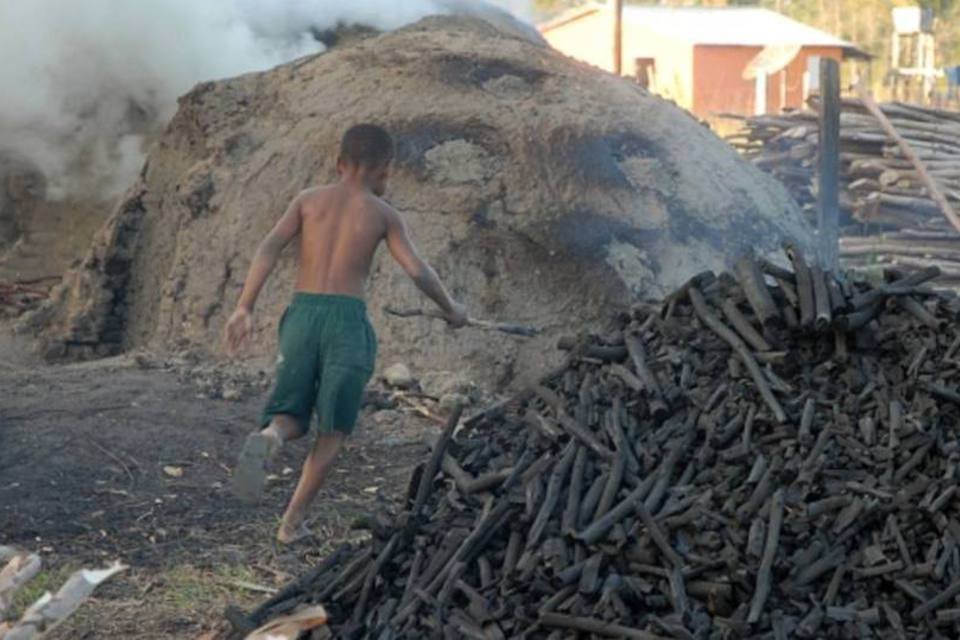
pixel 381 206
pixel 314 199
pixel 314 193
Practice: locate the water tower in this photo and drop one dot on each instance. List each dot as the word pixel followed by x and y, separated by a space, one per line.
pixel 913 52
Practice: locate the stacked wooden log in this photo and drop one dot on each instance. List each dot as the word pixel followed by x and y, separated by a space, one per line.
pixel 908 249
pixel 880 186
pixel 17 297
pixel 768 454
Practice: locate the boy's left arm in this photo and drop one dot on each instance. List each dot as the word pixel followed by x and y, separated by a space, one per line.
pixel 264 261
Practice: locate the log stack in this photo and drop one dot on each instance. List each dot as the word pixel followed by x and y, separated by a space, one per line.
pixel 881 189
pixel 769 454
pixel 17 297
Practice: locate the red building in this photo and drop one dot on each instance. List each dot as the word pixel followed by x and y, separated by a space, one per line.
pixel 741 60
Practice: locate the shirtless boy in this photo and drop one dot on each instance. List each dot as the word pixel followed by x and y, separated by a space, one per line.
pixel 327 346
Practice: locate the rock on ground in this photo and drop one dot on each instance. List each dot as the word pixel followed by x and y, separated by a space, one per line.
pixel 399 376
pixel 543 191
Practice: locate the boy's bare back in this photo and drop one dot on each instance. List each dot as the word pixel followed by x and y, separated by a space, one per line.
pixel 341 229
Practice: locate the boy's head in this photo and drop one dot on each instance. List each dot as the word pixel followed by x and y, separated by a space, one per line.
pixel 367 149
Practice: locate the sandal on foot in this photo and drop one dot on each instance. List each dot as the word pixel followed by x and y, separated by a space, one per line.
pixel 251 471
pixel 299 533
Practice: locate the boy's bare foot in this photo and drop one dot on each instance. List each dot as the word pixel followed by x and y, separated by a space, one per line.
pixel 251 471
pixel 289 534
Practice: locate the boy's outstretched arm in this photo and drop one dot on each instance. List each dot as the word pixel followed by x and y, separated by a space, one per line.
pixel 422 274
pixel 265 259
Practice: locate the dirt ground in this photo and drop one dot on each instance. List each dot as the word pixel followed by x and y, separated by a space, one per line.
pixel 124 459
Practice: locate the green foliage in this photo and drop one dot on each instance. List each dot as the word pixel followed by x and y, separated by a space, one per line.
pixel 545 6
pixel 940 7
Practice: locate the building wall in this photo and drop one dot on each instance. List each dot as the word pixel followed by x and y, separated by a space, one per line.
pixel 673 61
pixel 795 72
pixel 587 38
pixel 590 38
pixel 719 87
pixel 705 79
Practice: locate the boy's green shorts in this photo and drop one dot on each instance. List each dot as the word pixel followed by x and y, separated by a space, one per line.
pixel 327 354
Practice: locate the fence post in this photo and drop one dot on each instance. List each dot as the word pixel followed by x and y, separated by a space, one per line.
pixel 828 165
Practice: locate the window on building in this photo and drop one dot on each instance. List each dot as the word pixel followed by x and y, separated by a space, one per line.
pixel 644 71
pixel 811 77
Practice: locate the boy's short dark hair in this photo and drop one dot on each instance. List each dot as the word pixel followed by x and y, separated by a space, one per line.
pixel 366 145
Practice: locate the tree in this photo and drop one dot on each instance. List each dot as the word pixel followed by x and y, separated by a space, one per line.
pixel 553 6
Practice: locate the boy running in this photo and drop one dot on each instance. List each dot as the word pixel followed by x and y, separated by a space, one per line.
pixel 327 345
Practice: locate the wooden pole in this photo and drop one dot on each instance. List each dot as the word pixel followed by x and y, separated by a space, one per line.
pixel 617 36
pixel 932 189
pixel 828 166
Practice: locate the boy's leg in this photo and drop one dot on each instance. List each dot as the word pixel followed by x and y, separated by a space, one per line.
pixel 284 427
pixel 338 403
pixel 348 357
pixel 260 448
pixel 287 414
pixel 315 469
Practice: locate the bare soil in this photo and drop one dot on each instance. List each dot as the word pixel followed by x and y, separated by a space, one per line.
pixel 83 452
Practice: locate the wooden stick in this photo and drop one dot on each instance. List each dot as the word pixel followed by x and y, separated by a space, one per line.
pixel 568 525
pixel 597 530
pixel 804 285
pixel 346 574
pixel 909 153
pixel 584 435
pixel 413 576
pixel 743 326
pixel 764 575
pixel 510 328
pixel 821 296
pixel 592 625
pixel 638 356
pixel 299 585
pixel 937 601
pixel 658 537
pixel 557 478
pixel 711 320
pixel 386 554
pixel 755 289
pixel 612 487
pixel 828 165
pixel 433 465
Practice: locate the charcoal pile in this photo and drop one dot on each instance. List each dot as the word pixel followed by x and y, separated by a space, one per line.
pixel 768 454
pixel 881 186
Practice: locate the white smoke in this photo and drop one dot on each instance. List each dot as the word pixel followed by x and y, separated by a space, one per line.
pixel 85 84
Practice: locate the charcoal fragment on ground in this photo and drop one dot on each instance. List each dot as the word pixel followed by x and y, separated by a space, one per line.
pixel 769 454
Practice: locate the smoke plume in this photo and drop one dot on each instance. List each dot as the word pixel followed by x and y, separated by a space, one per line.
pixel 86 84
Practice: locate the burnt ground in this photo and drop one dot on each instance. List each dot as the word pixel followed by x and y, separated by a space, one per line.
pixel 83 452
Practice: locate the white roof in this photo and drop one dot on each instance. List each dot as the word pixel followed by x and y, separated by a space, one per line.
pixel 730 26
pixel 743 26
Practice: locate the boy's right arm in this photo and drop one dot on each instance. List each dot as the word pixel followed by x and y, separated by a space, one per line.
pixel 422 274
pixel 241 322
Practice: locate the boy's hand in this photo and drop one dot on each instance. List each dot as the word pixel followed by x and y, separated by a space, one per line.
pixel 457 316
pixel 238 329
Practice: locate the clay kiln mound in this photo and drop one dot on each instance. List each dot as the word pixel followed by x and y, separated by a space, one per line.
pixel 543 190
pixel 40 236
